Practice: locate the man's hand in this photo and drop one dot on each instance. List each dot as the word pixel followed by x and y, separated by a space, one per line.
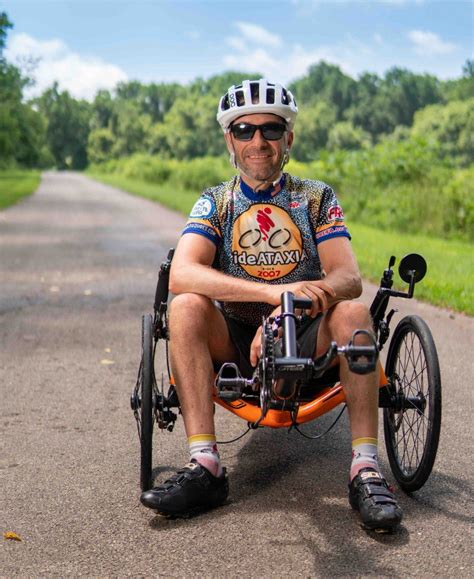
pixel 256 347
pixel 319 292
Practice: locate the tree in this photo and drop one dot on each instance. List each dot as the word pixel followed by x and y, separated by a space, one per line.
pixel 451 126
pixel 312 130
pixel 22 129
pixel 100 145
pixel 67 127
pixel 461 88
pixel 191 131
pixel 325 82
pixel 5 24
pixel 344 135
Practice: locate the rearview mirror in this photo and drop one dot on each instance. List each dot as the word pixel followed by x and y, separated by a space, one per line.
pixel 413 262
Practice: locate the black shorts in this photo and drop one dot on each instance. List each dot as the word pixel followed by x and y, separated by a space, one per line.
pixel 242 335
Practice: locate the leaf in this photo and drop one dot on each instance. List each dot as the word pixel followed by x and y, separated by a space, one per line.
pixel 11 536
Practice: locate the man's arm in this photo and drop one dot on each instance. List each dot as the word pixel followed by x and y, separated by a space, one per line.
pixel 192 271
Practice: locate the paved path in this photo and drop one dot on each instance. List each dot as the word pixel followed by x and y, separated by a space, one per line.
pixel 78 265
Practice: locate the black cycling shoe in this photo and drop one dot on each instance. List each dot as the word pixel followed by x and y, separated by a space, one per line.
pixel 192 489
pixel 369 494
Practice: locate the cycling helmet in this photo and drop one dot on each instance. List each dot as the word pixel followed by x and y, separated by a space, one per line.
pixel 256 96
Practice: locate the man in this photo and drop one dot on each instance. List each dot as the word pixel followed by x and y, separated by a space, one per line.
pixel 246 242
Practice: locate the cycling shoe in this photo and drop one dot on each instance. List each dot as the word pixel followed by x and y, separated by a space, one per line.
pixel 192 489
pixel 369 494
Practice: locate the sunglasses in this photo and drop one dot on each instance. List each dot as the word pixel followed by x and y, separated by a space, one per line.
pixel 246 131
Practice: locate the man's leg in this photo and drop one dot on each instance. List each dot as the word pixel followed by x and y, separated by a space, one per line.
pixel 368 490
pixel 198 336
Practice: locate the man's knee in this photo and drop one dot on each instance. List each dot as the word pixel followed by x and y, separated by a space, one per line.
pixel 193 307
pixel 347 316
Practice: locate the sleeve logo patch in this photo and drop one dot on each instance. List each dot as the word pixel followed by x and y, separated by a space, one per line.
pixel 335 212
pixel 203 209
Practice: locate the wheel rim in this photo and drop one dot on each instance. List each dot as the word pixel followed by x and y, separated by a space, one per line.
pixel 410 425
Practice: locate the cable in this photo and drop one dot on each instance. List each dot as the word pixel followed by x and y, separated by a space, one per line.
pixel 325 432
pixel 235 439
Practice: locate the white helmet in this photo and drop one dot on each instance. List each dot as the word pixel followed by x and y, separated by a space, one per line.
pixel 256 96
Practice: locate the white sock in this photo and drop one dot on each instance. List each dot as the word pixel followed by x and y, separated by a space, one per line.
pixel 203 448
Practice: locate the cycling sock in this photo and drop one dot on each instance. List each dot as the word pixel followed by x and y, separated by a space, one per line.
pixel 364 454
pixel 203 448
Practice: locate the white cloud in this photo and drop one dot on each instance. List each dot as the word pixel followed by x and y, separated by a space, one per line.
pixel 284 68
pixel 258 34
pixel 429 44
pixel 256 55
pixel 54 61
pixel 378 39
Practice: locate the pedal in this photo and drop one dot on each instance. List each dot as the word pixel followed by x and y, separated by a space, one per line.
pixel 229 382
pixel 362 359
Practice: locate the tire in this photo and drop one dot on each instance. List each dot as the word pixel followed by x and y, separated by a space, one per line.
pixel 147 378
pixel 411 433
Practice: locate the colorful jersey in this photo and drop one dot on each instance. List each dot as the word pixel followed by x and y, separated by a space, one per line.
pixel 270 236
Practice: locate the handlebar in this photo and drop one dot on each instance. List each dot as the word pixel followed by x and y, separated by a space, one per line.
pixel 289 368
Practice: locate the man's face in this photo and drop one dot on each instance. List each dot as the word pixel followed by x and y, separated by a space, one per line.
pixel 258 159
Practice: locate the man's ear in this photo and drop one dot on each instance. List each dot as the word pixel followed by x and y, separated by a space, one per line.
pixel 291 136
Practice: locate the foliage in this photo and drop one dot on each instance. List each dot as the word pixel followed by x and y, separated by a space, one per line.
pixel 345 136
pixel 312 130
pixel 452 126
pixel 67 127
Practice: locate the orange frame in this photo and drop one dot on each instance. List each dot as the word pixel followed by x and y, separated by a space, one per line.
pixel 325 401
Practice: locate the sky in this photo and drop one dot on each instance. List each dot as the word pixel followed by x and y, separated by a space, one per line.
pixel 88 45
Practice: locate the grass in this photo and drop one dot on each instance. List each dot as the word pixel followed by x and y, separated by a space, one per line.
pixel 16 184
pixel 448 282
pixel 450 277
pixel 178 199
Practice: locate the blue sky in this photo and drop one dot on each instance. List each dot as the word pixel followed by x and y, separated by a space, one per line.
pixel 86 45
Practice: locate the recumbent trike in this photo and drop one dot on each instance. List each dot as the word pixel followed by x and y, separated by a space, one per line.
pixel 287 391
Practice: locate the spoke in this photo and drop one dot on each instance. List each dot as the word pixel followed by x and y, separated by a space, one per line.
pixel 411 426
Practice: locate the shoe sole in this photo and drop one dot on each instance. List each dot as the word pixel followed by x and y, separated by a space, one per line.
pixel 191 512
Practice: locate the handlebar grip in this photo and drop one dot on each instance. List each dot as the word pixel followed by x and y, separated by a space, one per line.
pixel 303 303
pixel 161 295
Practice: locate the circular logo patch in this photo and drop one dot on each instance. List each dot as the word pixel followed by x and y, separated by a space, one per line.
pixel 266 243
pixel 203 209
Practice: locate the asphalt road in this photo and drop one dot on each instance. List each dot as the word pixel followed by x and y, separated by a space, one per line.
pixel 78 263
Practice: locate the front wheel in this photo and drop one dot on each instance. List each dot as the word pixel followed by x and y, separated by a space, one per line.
pixel 412 423
pixel 147 379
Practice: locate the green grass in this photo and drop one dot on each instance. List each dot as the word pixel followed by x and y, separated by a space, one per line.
pixel 449 280
pixel 177 199
pixel 448 283
pixel 16 184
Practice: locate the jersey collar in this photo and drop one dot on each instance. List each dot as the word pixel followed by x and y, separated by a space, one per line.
pixel 262 195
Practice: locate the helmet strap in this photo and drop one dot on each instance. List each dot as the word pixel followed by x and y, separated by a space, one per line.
pixel 232 160
pixel 285 159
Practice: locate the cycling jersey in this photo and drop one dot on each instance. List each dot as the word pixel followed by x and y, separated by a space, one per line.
pixel 271 236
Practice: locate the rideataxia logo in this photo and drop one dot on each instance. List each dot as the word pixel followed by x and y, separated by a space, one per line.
pixel 266 242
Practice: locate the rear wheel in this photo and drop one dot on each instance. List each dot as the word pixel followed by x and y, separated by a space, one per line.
pixel 147 379
pixel 412 423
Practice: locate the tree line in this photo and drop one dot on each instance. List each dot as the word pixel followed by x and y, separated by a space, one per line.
pixel 174 121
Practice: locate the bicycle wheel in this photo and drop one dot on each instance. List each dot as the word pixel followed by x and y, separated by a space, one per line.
pixel 147 378
pixel 412 424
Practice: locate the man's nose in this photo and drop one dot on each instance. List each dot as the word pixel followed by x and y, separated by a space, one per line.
pixel 258 137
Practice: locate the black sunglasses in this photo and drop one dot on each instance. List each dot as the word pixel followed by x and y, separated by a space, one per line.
pixel 246 131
